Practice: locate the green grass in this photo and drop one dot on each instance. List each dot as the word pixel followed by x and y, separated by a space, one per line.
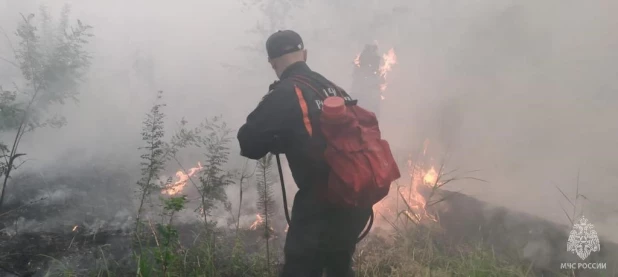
pixel 420 251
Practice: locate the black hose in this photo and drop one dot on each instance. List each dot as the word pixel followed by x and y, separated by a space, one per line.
pixel 285 203
pixel 366 232
pixel 285 198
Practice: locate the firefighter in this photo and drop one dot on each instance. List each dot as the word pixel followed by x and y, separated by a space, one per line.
pixel 366 80
pixel 321 237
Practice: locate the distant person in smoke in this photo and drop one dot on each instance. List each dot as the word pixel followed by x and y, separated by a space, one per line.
pixel 321 237
pixel 366 80
pixel 369 59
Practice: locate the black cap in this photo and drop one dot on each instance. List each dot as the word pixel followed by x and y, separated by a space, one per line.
pixel 283 42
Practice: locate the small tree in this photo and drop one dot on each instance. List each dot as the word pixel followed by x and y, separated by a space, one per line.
pixel 243 175
pixel 9 111
pixel 154 156
pixel 183 138
pixel 265 202
pixel 52 62
pixel 265 181
pixel 214 177
pixel 166 253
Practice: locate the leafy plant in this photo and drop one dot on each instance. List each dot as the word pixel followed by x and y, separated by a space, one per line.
pixel 166 252
pixel 266 203
pixel 154 156
pixel 214 177
pixel 243 175
pixel 9 110
pixel 52 62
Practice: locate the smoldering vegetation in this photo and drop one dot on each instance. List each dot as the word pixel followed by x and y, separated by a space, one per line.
pixel 515 100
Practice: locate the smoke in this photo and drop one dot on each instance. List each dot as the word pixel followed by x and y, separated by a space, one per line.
pixel 523 90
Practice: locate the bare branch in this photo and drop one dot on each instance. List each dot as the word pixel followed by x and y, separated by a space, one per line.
pixel 9 62
pixel 567 214
pixel 566 197
pixel 8 40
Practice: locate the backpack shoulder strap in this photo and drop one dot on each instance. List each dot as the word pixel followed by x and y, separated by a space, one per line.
pixel 306 82
pixel 322 94
pixel 339 90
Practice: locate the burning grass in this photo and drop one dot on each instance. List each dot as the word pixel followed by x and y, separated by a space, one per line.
pixel 410 240
pixel 182 178
pixel 95 244
pixel 417 231
pixel 422 242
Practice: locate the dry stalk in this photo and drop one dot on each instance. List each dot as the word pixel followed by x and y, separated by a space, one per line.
pixel 154 233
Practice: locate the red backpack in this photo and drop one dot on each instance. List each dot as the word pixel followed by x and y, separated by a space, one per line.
pixel 361 162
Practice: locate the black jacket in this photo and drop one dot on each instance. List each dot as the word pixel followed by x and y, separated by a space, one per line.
pixel 280 114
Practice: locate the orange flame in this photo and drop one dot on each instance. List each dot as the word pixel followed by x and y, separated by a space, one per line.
pixel 258 221
pixel 431 176
pixel 415 194
pixel 383 87
pixel 182 179
pixel 389 59
pixel 415 199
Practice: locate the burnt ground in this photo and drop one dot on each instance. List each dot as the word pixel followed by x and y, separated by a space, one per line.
pixel 81 220
pixel 36 227
pixel 42 209
pixel 33 254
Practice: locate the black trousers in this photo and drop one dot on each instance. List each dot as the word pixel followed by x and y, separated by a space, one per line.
pixel 321 238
